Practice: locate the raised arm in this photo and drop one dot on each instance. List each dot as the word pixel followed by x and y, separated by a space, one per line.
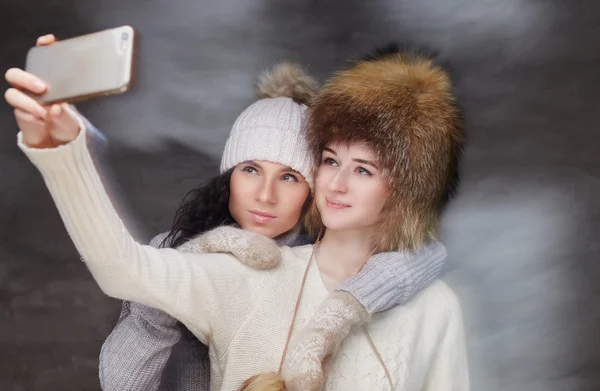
pixel 122 267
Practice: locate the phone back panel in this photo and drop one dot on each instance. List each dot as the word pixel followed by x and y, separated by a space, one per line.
pixel 89 65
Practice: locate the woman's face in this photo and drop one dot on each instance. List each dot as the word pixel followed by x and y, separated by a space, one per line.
pixel 267 198
pixel 350 191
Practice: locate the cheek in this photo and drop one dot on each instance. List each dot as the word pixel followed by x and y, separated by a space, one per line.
pixel 373 198
pixel 301 196
pixel 239 190
pixel 293 199
pixel 322 179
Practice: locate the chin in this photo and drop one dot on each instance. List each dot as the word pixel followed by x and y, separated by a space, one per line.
pixel 346 223
pixel 334 222
pixel 261 230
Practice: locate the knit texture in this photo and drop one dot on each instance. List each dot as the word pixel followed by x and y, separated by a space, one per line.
pixel 147 342
pixel 269 129
pixel 392 278
pixel 320 339
pixel 241 313
pixel 149 350
pixel 252 249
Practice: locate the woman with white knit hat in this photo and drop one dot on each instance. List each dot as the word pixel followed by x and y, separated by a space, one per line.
pixel 274 120
pixel 265 169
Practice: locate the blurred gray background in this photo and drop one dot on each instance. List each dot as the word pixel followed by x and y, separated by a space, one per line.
pixel 522 234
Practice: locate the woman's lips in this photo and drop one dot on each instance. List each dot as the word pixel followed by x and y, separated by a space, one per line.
pixel 261 217
pixel 335 204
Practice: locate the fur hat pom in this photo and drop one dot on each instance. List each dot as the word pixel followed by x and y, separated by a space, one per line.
pixel 268 381
pixel 271 128
pixel 399 102
pixel 286 79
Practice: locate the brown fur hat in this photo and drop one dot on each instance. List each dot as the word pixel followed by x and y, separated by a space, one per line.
pixel 400 104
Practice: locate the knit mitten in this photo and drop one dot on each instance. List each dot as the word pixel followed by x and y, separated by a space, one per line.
pixel 392 278
pixel 319 340
pixel 252 249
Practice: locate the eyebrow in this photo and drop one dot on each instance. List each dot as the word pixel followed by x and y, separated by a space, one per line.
pixel 253 164
pixel 361 161
pixel 284 169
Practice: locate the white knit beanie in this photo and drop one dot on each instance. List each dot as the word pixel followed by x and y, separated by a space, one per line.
pixel 271 128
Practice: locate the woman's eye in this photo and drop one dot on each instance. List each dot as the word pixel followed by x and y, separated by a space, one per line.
pixel 250 169
pixel 364 171
pixel 290 178
pixel 329 161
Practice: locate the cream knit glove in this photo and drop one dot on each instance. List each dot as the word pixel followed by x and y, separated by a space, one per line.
pixel 254 250
pixel 319 340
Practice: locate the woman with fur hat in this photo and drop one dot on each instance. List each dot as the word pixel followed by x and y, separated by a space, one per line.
pixel 386 131
pixel 404 278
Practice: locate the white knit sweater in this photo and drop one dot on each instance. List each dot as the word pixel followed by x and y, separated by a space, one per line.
pixel 243 314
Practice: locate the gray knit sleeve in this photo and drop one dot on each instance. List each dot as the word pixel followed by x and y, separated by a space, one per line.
pixel 392 278
pixel 135 354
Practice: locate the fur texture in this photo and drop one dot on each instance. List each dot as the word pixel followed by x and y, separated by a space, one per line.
pixel 400 104
pixel 268 381
pixel 286 80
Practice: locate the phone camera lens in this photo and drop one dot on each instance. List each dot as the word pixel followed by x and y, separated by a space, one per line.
pixel 125 36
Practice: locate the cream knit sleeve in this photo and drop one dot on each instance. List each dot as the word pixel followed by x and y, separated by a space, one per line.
pixel 175 282
pixel 449 369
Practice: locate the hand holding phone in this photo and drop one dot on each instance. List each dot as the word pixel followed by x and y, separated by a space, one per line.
pixel 75 69
pixel 83 67
pixel 41 126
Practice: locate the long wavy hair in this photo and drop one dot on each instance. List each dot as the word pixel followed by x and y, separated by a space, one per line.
pixel 201 210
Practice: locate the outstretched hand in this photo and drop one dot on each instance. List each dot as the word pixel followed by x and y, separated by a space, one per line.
pixel 41 126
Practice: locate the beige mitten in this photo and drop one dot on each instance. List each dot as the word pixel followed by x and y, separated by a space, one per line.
pixel 319 340
pixel 252 249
